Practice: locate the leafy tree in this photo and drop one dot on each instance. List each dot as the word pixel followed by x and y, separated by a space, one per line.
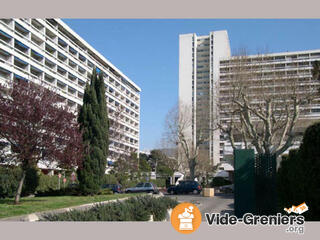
pixel 37 126
pixel 93 120
pixel 162 163
pixel 144 165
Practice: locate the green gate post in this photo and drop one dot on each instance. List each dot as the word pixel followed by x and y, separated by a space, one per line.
pixel 244 182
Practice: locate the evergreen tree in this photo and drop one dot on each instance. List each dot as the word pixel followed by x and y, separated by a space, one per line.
pixel 93 120
pixel 104 122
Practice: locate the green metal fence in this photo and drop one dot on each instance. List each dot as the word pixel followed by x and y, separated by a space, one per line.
pixel 244 182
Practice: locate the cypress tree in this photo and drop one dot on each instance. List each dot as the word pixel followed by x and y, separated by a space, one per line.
pixel 104 122
pixel 93 121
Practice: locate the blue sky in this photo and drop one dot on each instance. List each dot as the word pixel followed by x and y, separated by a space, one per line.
pixel 147 52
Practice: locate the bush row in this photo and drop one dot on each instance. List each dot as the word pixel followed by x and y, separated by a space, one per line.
pixel 133 209
pixel 10 177
pixel 35 182
pixel 127 182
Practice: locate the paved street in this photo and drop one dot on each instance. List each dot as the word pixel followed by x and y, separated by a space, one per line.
pixel 220 203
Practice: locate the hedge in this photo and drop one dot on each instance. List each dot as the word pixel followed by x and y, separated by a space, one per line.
pixel 133 209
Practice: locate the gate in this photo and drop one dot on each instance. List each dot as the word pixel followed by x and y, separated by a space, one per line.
pixel 244 181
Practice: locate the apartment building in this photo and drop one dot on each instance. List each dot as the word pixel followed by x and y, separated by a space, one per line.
pixel 49 51
pixel 276 74
pixel 206 72
pixel 198 76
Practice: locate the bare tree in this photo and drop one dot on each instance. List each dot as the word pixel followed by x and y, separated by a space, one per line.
pixel 260 105
pixel 178 131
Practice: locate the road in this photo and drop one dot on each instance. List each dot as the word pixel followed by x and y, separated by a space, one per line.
pixel 221 203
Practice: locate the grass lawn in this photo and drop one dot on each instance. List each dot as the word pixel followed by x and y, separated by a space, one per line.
pixel 38 204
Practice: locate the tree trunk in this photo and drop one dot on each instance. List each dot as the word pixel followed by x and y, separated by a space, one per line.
pixel 18 194
pixel 192 167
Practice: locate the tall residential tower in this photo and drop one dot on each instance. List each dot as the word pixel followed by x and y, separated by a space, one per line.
pixel 199 59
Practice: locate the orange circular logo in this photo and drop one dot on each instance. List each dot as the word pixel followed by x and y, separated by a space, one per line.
pixel 186 218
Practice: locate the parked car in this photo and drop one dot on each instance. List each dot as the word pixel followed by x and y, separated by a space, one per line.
pixel 116 188
pixel 143 187
pixel 185 187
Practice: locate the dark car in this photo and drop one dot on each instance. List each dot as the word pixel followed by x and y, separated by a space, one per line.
pixel 185 187
pixel 116 188
pixel 143 187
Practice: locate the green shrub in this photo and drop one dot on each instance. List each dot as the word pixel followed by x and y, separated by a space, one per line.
pixel 48 183
pixel 68 191
pixel 109 179
pixel 159 182
pixel 31 181
pixel 9 181
pixel 219 181
pixel 105 191
pixel 133 209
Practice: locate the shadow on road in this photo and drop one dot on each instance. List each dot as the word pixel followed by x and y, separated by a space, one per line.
pixel 225 195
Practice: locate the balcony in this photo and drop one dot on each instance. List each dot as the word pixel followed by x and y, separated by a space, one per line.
pixel 62 44
pixel 18 78
pixel 51 35
pixel 49 79
pixel 5 56
pixel 20 30
pixel 90 64
pixel 20 64
pixel 81 70
pixel 81 83
pixel 72 64
pixel 7 21
pixel 49 64
pixel 5 37
pixel 82 58
pixel 37 25
pixel 61 85
pixel 72 91
pixel 37 73
pixel 21 47
pixel 62 57
pixel 80 95
pixel 73 52
pixel 5 74
pixel 62 71
pixel 72 77
pixel 37 41
pixel 52 51
pixel 37 57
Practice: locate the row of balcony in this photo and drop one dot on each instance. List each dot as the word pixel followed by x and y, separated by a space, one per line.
pixel 86 66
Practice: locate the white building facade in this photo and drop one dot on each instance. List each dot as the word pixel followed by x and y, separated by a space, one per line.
pixel 49 51
pixel 205 67
pixel 199 58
